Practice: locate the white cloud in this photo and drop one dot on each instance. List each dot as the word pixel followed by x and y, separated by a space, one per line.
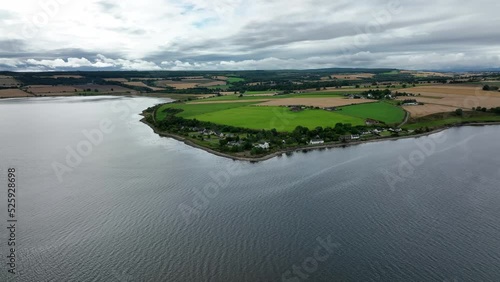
pixel 240 34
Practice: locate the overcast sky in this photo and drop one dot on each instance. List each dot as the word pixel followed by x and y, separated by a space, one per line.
pixel 244 34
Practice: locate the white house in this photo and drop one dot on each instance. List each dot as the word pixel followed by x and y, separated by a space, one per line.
pixel 316 142
pixel 354 137
pixel 264 146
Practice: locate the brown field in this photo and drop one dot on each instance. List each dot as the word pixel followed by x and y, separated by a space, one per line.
pixel 48 89
pixel 445 98
pixel 427 109
pixel 107 88
pixel 142 84
pixel 8 81
pixel 61 90
pixel 351 76
pixel 212 83
pixel 116 79
pixel 316 102
pixel 220 77
pixel 445 90
pixel 13 93
pixel 176 84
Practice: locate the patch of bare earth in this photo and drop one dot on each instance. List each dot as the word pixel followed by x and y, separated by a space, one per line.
pixel 427 109
pixel 8 81
pixel 13 93
pixel 212 83
pixel 176 84
pixel 316 102
pixel 48 90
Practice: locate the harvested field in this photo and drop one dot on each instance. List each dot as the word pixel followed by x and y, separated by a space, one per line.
pixel 212 83
pixel 465 97
pixel 465 102
pixel 220 77
pixel 107 88
pixel 142 84
pixel 48 89
pixel 175 84
pixel 8 81
pixel 427 109
pixel 13 93
pixel 316 102
pixel 444 90
pixel 189 83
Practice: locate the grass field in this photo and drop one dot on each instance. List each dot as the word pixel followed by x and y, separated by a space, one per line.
pixel 247 95
pixel 233 79
pixel 280 118
pixel 191 110
pixel 378 111
pixel 451 121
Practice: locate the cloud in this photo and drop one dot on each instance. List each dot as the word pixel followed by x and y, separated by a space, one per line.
pixel 241 34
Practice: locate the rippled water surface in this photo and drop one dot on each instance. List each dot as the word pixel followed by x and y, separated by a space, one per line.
pixel 138 207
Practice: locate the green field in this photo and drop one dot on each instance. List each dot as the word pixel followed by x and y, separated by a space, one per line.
pixel 250 115
pixel 233 79
pixel 248 95
pixel 191 110
pixel 378 111
pixel 280 118
pixel 222 87
pixel 434 123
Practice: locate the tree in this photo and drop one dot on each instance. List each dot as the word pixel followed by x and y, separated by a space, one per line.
pixel 486 87
pixel 459 112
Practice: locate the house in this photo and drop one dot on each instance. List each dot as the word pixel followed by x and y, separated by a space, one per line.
pixel 354 137
pixel 411 104
pixel 376 131
pixel 331 108
pixel 234 143
pixel 264 146
pixel 316 142
pixel 371 121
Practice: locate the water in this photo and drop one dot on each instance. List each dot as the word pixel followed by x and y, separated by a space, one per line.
pixel 131 210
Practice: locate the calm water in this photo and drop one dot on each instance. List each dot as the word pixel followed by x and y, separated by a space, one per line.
pixel 131 209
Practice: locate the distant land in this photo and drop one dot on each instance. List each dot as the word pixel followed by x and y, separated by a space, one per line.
pixel 257 114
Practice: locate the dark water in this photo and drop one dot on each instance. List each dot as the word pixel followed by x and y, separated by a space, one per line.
pixel 131 210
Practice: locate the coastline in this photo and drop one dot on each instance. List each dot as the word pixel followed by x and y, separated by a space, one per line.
pixel 306 148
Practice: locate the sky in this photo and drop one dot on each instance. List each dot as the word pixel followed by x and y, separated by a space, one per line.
pixel 65 35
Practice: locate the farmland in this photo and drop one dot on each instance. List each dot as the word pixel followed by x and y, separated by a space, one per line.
pixel 13 93
pixel 378 111
pixel 315 102
pixel 439 99
pixel 257 113
pixel 191 110
pixel 8 81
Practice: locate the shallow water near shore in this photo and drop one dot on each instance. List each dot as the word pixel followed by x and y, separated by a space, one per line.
pixel 138 207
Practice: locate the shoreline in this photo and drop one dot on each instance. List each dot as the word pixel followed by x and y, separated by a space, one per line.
pixel 306 148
